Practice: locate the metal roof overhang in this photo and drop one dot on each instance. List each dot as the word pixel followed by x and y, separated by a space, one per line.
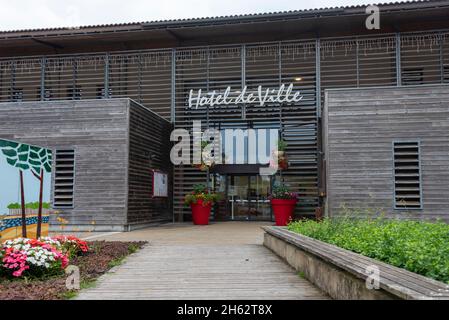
pixel 274 27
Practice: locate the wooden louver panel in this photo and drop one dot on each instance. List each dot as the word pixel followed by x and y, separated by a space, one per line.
pixel 407 175
pixel 64 178
pixel 446 74
pixel 412 76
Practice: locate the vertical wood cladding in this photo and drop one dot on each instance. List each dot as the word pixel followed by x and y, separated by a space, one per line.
pixel 149 149
pixel 97 131
pixel 361 126
pixel 146 76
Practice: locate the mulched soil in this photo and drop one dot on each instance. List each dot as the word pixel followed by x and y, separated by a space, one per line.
pixel 92 265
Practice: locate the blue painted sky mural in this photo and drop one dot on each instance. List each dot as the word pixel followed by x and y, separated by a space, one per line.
pixel 10 184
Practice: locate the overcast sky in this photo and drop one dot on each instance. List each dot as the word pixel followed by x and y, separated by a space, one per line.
pixel 26 14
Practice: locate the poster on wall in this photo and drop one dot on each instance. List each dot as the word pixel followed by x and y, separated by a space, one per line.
pixel 160 184
pixel 23 167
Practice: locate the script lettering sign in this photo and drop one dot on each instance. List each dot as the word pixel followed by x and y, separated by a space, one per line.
pixel 260 97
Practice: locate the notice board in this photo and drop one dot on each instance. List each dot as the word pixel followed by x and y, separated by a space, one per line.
pixel 160 184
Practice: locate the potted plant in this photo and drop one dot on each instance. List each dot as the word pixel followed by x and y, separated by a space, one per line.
pixel 283 203
pixel 201 201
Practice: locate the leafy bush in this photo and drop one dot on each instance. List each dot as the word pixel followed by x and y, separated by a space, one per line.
pixel 14 205
pixel 29 205
pixel 200 193
pixel 418 246
pixel 282 145
pixel 70 245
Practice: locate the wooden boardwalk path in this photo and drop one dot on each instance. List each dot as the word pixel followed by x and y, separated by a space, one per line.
pixel 192 270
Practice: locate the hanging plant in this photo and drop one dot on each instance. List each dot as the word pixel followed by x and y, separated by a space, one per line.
pixel 207 160
pixel 281 155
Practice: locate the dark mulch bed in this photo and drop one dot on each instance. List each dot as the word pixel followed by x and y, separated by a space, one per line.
pixel 101 257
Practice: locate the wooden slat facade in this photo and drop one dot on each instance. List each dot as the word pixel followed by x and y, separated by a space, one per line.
pixel 160 79
pixel 112 188
pixel 361 128
pixel 149 149
pixel 270 66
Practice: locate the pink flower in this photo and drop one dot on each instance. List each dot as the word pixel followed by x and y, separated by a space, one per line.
pixel 20 254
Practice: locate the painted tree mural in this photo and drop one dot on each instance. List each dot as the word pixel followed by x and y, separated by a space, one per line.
pixel 33 158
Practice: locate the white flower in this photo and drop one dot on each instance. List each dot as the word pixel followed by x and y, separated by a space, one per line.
pixel 31 260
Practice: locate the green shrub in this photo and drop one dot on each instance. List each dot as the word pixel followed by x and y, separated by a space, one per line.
pixel 418 246
pixel 29 205
pixel 14 205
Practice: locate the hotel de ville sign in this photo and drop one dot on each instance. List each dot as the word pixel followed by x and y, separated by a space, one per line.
pixel 259 97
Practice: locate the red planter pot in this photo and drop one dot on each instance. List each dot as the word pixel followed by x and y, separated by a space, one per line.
pixel 200 212
pixel 283 210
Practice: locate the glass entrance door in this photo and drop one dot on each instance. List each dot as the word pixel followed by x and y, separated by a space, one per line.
pixel 247 197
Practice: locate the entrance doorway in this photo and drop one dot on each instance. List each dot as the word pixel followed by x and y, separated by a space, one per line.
pixel 245 197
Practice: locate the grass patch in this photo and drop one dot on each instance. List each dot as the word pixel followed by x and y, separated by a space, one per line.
pixel 132 248
pixel 84 284
pixel 115 262
pixel 418 246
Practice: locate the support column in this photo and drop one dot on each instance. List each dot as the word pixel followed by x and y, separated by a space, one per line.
pixel 357 63
pixel 398 60
pixel 207 113
pixel 441 60
pixel 321 183
pixel 173 86
pixel 13 82
pixel 243 75
pixel 243 64
pixel 173 120
pixel 42 81
pixel 318 75
pixel 281 126
pixel 140 78
pixel 106 76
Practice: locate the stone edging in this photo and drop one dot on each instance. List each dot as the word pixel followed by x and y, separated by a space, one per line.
pixel 343 274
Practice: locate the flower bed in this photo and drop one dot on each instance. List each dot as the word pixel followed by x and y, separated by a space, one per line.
pixel 34 269
pixel 23 257
pixel 417 246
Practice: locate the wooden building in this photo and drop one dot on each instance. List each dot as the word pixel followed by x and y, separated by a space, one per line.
pixel 104 153
pixel 387 151
pixel 157 64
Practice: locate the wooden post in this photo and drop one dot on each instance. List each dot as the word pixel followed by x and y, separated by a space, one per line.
pixel 22 200
pixel 39 212
pixel 319 214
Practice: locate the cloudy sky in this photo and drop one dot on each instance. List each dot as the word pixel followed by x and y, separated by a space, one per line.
pixel 25 14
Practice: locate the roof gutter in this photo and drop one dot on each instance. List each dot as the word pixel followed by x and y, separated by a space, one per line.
pixel 307 14
pixel 240 19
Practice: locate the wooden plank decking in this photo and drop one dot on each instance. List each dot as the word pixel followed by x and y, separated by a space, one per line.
pixel 191 270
